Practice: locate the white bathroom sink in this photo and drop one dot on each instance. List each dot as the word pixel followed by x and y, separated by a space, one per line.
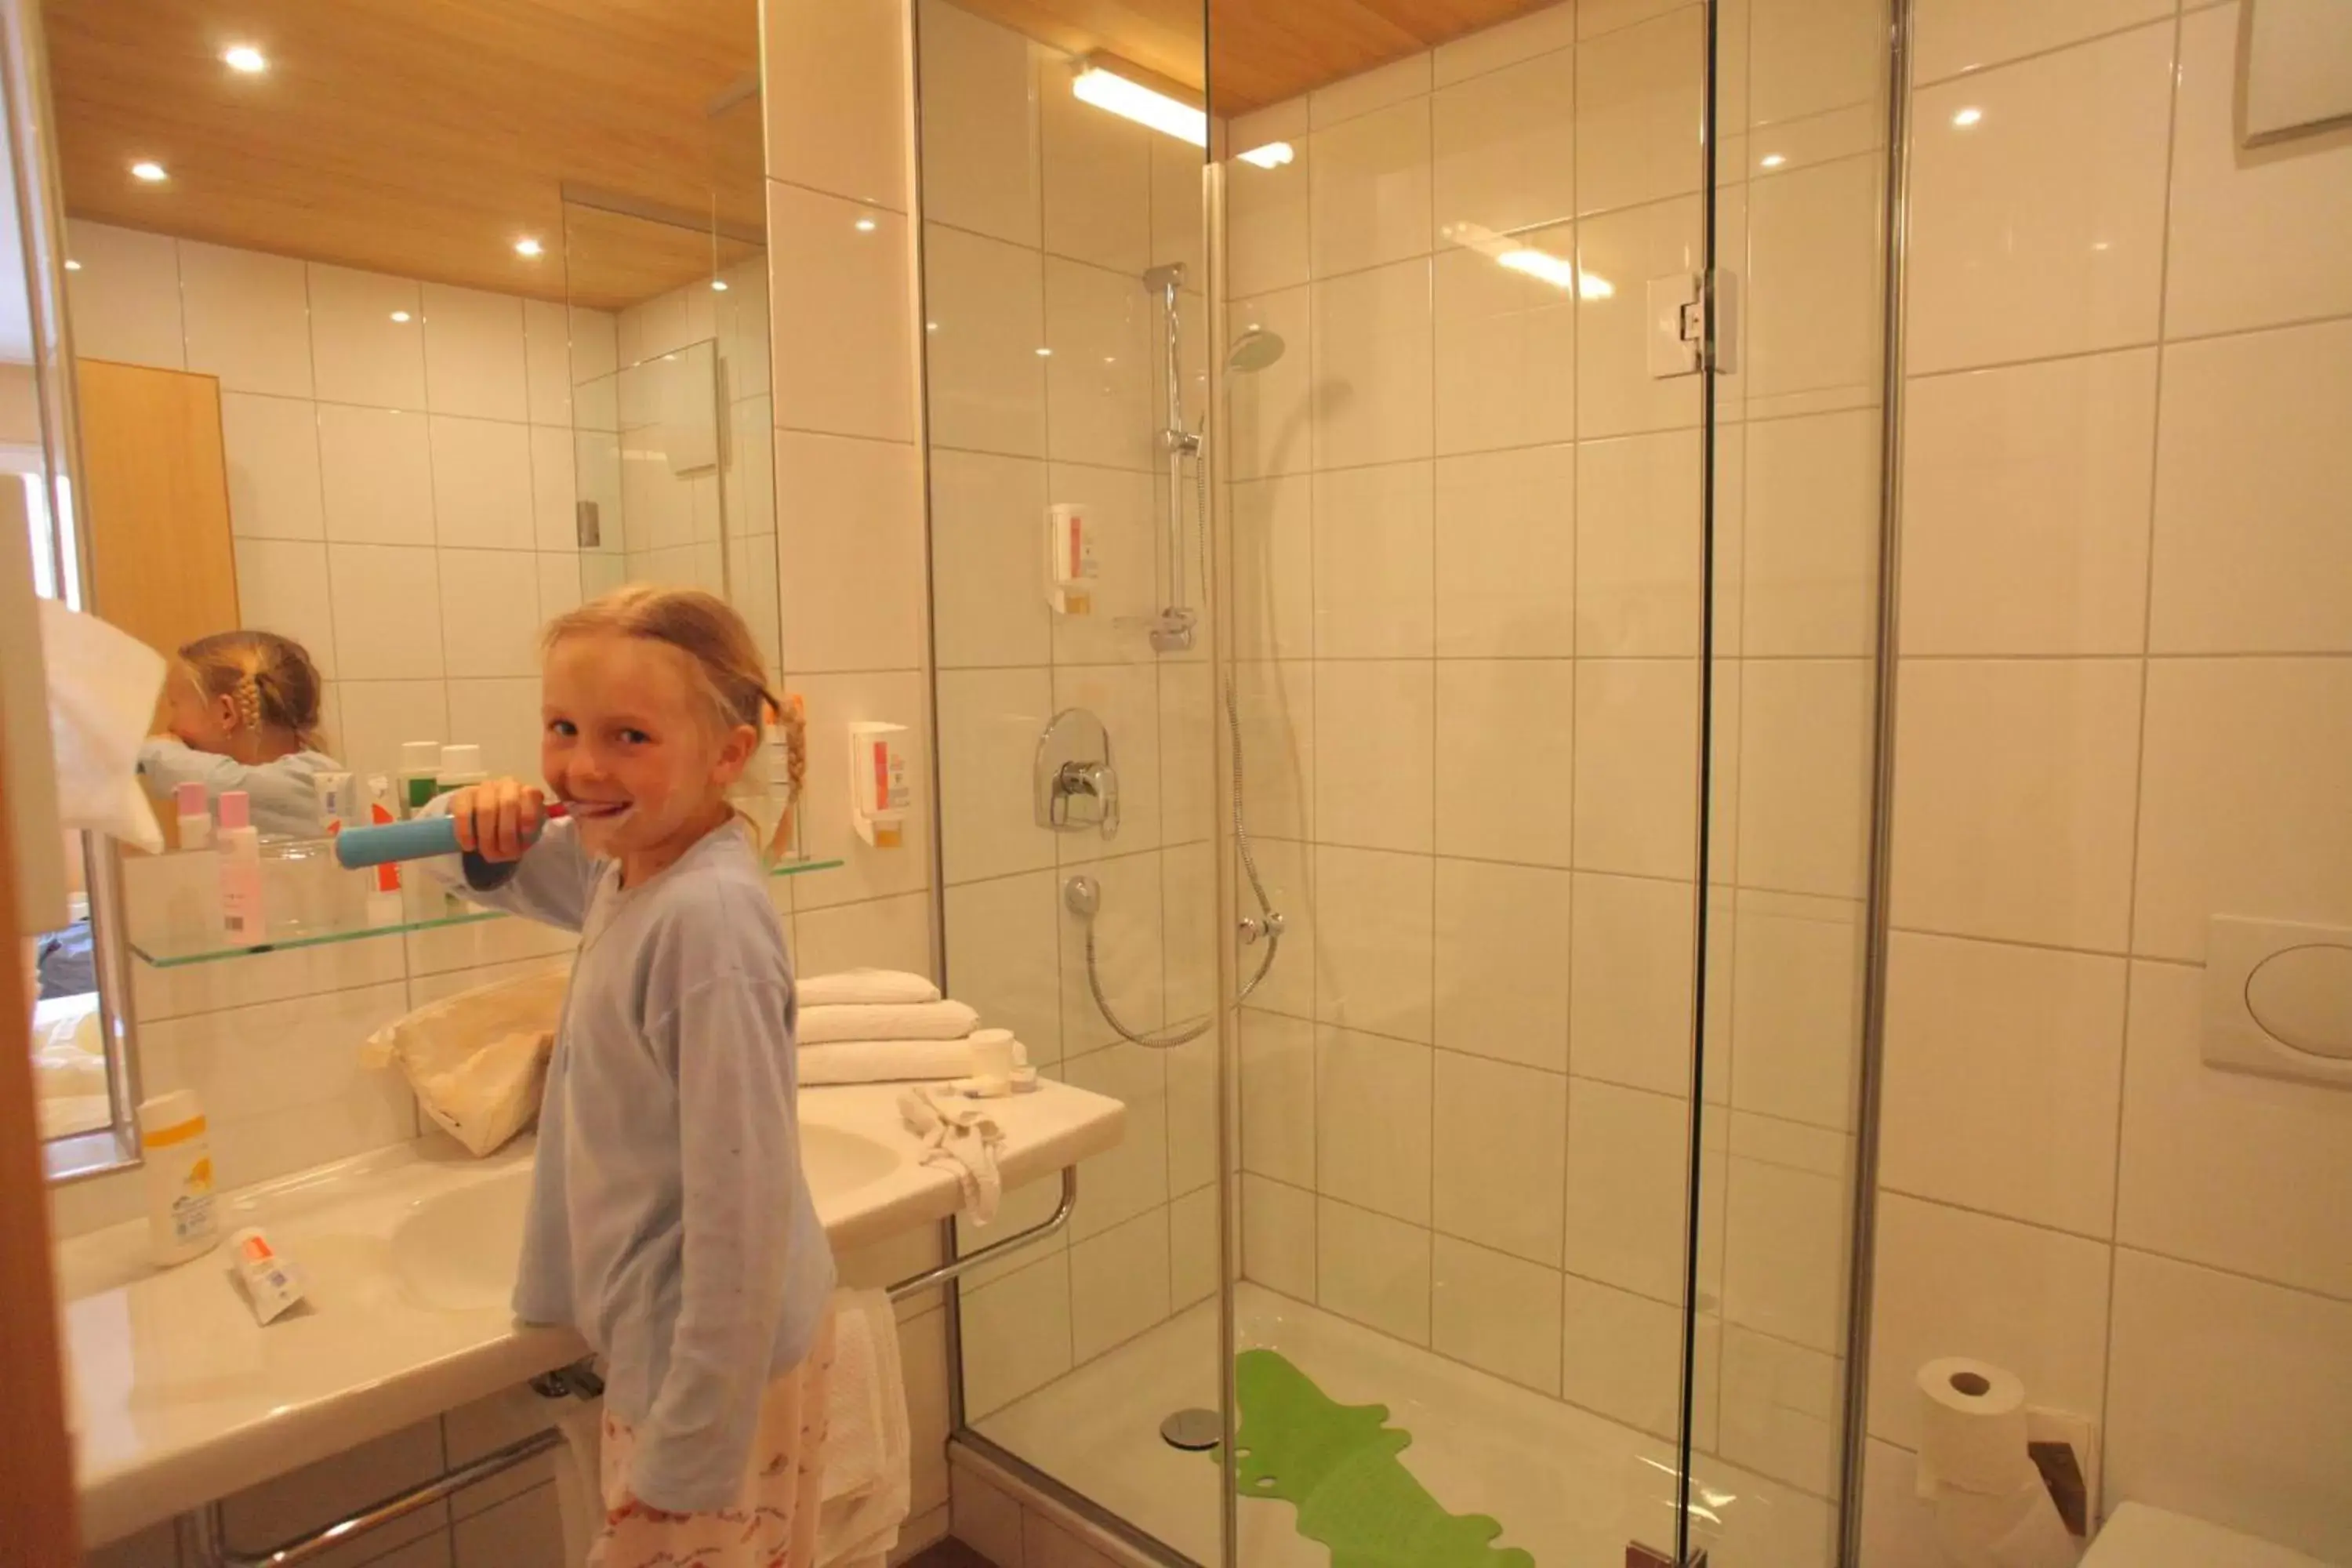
pixel 456 1251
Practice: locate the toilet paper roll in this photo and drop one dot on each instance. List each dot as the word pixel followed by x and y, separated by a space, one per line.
pixel 1972 1427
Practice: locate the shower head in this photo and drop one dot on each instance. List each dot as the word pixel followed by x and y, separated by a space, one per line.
pixel 1255 349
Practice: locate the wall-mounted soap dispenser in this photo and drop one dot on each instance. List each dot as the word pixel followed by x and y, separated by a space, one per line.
pixel 881 783
pixel 1070 568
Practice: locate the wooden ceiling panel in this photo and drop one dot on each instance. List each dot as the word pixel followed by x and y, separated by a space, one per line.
pixel 417 137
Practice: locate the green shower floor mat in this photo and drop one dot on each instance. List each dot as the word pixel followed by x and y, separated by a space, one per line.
pixel 1337 1464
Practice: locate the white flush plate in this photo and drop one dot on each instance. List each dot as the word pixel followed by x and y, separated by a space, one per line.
pixel 2278 999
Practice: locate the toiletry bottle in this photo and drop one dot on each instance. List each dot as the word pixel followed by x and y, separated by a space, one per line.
pixel 420 763
pixel 195 813
pixel 459 767
pixel 335 802
pixel 239 848
pixel 178 1169
pixel 383 903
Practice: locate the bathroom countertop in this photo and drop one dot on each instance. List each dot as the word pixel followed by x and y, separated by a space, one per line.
pixel 178 1396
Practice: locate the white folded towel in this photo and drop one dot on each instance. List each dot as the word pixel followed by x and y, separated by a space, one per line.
pixel 853 986
pixel 868 1487
pixel 958 1134
pixel 884 1061
pixel 887 1021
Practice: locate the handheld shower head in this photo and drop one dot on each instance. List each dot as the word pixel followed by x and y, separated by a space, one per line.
pixel 1254 351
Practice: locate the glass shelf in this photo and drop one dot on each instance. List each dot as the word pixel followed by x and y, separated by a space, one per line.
pixel 428 910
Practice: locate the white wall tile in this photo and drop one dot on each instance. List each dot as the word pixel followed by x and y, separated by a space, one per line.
pixel 547 362
pixel 1506 355
pixel 554 491
pixel 1191 790
pixel 282 586
pixel 1621 1356
pixel 989 725
pixel 2025 507
pixel 1815 274
pixel 1629 1012
pixel 1959 36
pixel 2037 228
pixel 1809 566
pixel 1785 1252
pixel 1097 175
pixel 1179 176
pixel 490 613
pixel 1639 546
pixel 124 298
pixel 596 352
pixel 1195 1262
pixel 980 106
pixel 2227 1169
pixel 1807 56
pixel 2250 479
pixel 2257 234
pixel 1269 413
pixel 1805 759
pixel 379 715
pixel 558 586
pixel 1615 394
pixel 1016 1337
pixel 1374 961
pixel 1118 1284
pixel 2013 784
pixel 1276 704
pixel 1133 1176
pixel 482 496
pixel 1502 975
pixel 1266 217
pixel 985 303
pixel 1374 1269
pixel 1637 766
pixel 1951 1283
pixel 502 717
pixel 1505 555
pixel 839 297
pixel 1538 33
pixel 1782 1407
pixel 1594 17
pixel 1279 1105
pixel 377 467
pixel 1374 782
pixel 387 601
pixel 363 353
pixel 1373 546
pixel 882 933
pixel 1628 1169
pixel 271 445
pixel 834 93
pixel 1369 91
pixel 2004 1068
pixel 248 319
pixel 849 512
pixel 1797 1007
pixel 249 1062
pixel 1003 954
pixel 1279 1249
pixel 1274 568
pixel 1505 750
pixel 1499 1313
pixel 2231 1401
pixel 1099 384
pixel 2248 762
pixel 474 360
pixel 1370 194
pixel 1373 1122
pixel 1500 1155
pixel 1505 146
pixel 1639 103
pixel 1372 366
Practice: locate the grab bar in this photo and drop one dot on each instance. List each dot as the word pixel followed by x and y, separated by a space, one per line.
pixel 203 1535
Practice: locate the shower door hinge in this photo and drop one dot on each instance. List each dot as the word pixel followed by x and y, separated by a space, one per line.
pixel 1678 344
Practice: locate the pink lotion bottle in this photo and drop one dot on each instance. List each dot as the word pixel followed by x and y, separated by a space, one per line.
pixel 238 844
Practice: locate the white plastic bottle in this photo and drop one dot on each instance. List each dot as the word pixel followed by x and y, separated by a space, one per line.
pixel 238 845
pixel 182 1221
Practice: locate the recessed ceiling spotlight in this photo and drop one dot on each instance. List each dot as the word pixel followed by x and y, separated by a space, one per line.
pixel 529 247
pixel 1967 116
pixel 1774 160
pixel 719 284
pixel 400 315
pixel 147 169
pixel 245 58
pixel 863 225
pixel 71 265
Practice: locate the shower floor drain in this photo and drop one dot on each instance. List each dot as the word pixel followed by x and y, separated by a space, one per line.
pixel 1194 1431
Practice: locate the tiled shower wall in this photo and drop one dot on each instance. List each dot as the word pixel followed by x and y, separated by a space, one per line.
pixel 1041 215
pixel 2125 706
pixel 1467 541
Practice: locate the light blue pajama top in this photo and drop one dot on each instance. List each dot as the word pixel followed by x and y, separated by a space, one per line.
pixel 669 1221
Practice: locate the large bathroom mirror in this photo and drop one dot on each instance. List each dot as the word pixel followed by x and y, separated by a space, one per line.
pixel 393 333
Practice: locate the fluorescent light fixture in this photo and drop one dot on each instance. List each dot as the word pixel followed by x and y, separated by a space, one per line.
pixel 246 59
pixel 1130 100
pixel 1273 156
pixel 400 315
pixel 1773 160
pixel 1558 271
pixel 719 285
pixel 863 225
pixel 529 247
pixel 71 265
pixel 1968 116
pixel 147 169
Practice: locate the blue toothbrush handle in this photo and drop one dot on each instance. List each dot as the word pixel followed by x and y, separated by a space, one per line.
pixel 415 839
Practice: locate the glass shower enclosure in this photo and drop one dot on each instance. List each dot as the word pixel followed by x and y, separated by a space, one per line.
pixel 1477 449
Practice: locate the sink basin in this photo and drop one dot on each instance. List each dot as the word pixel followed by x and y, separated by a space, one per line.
pixel 456 1252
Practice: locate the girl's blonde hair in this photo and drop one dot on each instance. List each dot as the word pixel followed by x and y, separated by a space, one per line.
pixel 269 678
pixel 718 644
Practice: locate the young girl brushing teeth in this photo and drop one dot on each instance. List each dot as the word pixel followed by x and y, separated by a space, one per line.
pixel 668 1220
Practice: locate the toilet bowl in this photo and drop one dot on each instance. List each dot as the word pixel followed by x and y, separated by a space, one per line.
pixel 2139 1536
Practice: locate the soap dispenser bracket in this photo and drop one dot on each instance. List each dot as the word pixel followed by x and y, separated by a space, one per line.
pixel 1077 786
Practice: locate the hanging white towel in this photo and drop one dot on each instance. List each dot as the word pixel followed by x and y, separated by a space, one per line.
pixel 852 988
pixel 887 1021
pixel 868 1487
pixel 958 1134
pixel 884 1061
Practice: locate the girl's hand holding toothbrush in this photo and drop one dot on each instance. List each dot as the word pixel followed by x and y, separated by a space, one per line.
pixel 498 820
